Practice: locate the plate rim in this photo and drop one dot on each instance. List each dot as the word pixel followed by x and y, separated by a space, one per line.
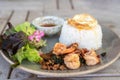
pixel 73 74
pixel 61 74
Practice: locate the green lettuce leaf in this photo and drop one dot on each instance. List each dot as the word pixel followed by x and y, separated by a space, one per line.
pixel 10 31
pixel 29 53
pixel 32 54
pixel 25 27
pixel 20 55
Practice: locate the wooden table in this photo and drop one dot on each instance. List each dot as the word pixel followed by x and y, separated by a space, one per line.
pixel 105 11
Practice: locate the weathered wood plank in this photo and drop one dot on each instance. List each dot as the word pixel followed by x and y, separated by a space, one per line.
pixel 64 5
pixel 18 17
pixel 20 74
pixel 103 16
pixel 49 4
pixel 101 5
pixel 107 15
pixel 60 13
pixel 21 5
pixel 80 5
pixel 5 66
pixel 4 17
pixel 35 14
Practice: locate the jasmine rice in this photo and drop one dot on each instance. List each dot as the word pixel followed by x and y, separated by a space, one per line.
pixel 84 30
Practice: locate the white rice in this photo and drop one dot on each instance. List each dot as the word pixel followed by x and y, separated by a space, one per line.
pixel 90 39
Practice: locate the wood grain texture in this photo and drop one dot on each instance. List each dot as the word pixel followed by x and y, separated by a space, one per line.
pixel 5 66
pixel 103 5
pixel 49 4
pixel 18 17
pixel 20 74
pixel 4 18
pixel 105 11
pixel 21 5
pixel 34 14
pixel 64 5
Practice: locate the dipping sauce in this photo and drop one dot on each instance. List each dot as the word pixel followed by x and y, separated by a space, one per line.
pixel 48 25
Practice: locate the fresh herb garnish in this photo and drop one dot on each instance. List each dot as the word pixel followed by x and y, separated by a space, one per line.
pixel 14 42
pixel 25 27
pixel 103 54
pixel 21 42
pixel 29 53
pixel 57 59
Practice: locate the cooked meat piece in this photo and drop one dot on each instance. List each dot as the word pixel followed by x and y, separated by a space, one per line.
pixel 72 61
pixel 44 67
pixel 71 48
pixel 51 64
pixel 56 66
pixel 46 56
pixel 62 67
pixel 78 51
pixel 75 45
pixel 83 51
pixel 60 48
pixel 91 58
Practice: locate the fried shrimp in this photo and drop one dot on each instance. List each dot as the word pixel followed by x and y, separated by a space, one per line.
pixel 91 58
pixel 72 61
pixel 60 48
pixel 69 57
pixel 71 48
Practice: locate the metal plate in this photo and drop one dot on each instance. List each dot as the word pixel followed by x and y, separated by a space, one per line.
pixel 111 44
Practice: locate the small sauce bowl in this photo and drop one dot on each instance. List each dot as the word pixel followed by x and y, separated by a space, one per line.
pixel 50 25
